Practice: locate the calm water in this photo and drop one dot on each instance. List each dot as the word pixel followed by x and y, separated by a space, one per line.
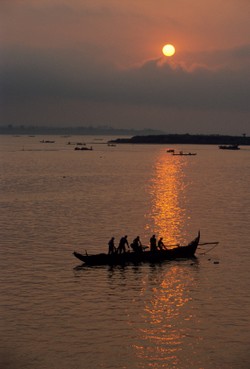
pixel 177 315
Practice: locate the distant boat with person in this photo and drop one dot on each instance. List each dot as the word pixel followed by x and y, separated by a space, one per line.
pixel 47 141
pixel 229 147
pixel 181 153
pixel 83 148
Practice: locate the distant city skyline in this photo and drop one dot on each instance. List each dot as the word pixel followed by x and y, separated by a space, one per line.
pixel 100 62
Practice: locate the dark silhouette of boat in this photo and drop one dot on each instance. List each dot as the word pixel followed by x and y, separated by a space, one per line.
pixel 47 141
pixel 181 153
pixel 84 148
pixel 229 147
pixel 76 143
pixel 179 252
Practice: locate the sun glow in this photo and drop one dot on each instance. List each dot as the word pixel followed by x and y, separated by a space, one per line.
pixel 168 50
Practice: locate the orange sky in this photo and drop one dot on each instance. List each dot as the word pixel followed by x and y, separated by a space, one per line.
pixel 92 41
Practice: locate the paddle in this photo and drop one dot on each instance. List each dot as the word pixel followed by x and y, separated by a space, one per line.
pixel 200 244
pixel 209 243
pixel 177 245
pixel 146 247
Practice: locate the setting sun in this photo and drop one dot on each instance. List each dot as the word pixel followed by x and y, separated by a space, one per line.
pixel 168 50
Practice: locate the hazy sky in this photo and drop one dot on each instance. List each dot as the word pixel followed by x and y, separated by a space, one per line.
pixel 99 62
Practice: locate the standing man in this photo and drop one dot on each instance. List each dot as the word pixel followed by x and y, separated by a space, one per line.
pixel 122 245
pixel 136 245
pixel 153 246
pixel 112 248
pixel 161 245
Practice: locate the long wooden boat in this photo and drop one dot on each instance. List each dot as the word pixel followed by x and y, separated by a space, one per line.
pixel 180 252
pixel 181 153
pixel 229 147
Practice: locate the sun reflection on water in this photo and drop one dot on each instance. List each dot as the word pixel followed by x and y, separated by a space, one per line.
pixel 168 212
pixel 167 318
pixel 167 315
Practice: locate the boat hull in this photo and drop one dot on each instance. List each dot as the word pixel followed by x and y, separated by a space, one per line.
pixel 181 252
pixel 229 147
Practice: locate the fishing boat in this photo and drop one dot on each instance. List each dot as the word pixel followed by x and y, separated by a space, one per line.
pixel 181 153
pixel 47 141
pixel 84 148
pixel 229 147
pixel 178 252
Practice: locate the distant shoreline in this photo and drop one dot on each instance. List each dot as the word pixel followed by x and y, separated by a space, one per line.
pixel 186 139
pixel 75 131
pixel 144 136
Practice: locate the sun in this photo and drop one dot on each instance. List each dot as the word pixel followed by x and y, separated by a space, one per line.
pixel 168 50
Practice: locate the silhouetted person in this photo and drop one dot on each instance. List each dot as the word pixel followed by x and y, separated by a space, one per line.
pixel 136 245
pixel 122 245
pixel 161 245
pixel 111 244
pixel 153 241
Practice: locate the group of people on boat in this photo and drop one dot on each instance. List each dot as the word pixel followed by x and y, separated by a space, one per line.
pixel 136 245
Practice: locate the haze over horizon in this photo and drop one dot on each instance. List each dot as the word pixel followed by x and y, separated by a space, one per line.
pixel 97 62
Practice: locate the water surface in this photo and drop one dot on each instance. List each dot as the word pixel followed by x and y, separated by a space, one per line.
pixel 177 315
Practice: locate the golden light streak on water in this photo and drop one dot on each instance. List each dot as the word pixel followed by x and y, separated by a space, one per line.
pixel 168 198
pixel 163 334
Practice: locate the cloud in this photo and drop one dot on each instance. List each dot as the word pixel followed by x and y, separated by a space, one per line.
pixel 36 75
pixel 102 60
pixel 237 57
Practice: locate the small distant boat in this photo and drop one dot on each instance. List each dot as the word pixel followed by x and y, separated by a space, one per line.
pixel 47 141
pixel 111 144
pixel 179 252
pixel 170 150
pixel 84 148
pixel 76 143
pixel 229 147
pixel 181 153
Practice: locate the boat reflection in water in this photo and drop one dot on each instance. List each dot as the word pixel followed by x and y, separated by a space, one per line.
pixel 167 216
pixel 168 316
